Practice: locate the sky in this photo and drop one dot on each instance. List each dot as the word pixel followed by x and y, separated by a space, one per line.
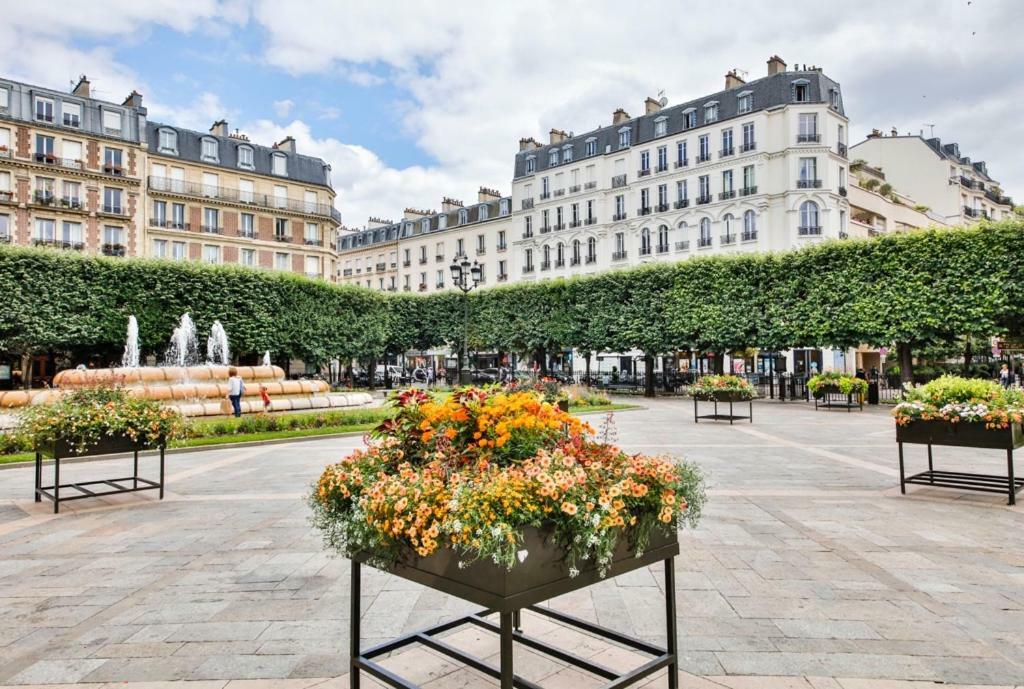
pixel 412 101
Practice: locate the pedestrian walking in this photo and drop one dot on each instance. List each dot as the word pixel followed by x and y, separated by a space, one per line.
pixel 1005 377
pixel 265 396
pixel 236 388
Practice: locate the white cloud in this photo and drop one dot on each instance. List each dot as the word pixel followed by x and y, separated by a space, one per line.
pixel 283 107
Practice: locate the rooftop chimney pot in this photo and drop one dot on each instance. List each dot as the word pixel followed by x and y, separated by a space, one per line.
pixel 620 116
pixel 776 65
pixel 732 80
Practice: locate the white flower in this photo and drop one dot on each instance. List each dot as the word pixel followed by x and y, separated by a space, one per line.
pixel 573 572
pixel 495 531
pixel 462 565
pixel 522 554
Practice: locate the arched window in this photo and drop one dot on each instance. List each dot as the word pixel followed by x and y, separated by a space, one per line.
pixel 645 241
pixel 546 263
pixel 663 239
pixel 728 222
pixel 809 218
pixel 749 225
pixel 576 252
pixel 528 261
pixel 425 225
pixel 560 254
pixel 591 250
pixel 705 232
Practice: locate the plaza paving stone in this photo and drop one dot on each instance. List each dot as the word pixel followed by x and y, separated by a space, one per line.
pixel 809 571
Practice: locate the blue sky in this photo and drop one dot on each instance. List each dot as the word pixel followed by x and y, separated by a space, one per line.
pixel 410 102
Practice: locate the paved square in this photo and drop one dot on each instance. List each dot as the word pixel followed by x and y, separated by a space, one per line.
pixel 809 570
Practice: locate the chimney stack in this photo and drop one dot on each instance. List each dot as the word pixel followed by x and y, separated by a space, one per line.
pixel 484 194
pixel 286 144
pixel 894 132
pixel 528 143
pixel 875 134
pixel 219 128
pixel 776 65
pixel 415 214
pixel 620 116
pixel 732 80
pixel 375 222
pixel 557 136
pixel 651 106
pixel 82 87
pixel 134 100
pixel 448 205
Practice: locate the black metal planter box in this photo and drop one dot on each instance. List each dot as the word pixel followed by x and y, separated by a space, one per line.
pixel 107 445
pixel 962 435
pixel 729 397
pixel 541 576
pixel 831 397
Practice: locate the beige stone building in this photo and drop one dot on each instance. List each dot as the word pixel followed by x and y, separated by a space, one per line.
pixel 876 207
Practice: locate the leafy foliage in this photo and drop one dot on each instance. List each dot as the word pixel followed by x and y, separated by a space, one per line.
pixel 961 400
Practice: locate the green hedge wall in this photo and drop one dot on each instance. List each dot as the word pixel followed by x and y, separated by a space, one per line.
pixel 918 288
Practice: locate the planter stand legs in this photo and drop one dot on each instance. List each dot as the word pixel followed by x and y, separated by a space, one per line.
pixel 1008 485
pixel 730 417
pixel 509 630
pixel 85 488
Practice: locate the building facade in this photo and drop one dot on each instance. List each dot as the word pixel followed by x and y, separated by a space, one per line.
pixel 936 175
pixel 876 207
pixel 85 174
pixel 71 169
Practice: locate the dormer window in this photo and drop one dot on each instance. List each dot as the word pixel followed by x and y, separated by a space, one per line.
pixel 590 146
pixel 483 212
pixel 503 207
pixel 801 91
pixel 245 158
pixel 744 102
pixel 425 225
pixel 5 99
pixel 463 216
pixel 71 114
pixel 660 126
pixel 625 137
pixel 209 151
pixel 567 153
pixel 833 95
pixel 112 122
pixel 442 221
pixel 689 118
pixel 279 164
pixel 44 110
pixel 531 164
pixel 711 112
pixel 168 141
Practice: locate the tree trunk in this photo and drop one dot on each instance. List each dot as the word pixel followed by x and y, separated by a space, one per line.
pixel 371 373
pixel 26 371
pixel 649 387
pixel 968 355
pixel 587 371
pixel 719 363
pixel 387 373
pixel 542 359
pixel 906 356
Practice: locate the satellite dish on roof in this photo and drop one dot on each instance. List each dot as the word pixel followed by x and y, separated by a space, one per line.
pixel 663 100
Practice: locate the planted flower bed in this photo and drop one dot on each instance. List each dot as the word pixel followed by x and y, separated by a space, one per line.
pixel 502 499
pixel 837 390
pixel 962 412
pixel 97 421
pixel 727 389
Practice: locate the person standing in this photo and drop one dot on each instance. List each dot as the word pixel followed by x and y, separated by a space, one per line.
pixel 265 396
pixel 1004 376
pixel 236 388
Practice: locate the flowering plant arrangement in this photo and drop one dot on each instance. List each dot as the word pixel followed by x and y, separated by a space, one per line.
pixel 961 400
pixel 470 472
pixel 82 418
pixel 549 388
pixel 707 387
pixel 820 382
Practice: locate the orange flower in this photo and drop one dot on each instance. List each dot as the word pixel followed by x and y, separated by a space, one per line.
pixel 569 508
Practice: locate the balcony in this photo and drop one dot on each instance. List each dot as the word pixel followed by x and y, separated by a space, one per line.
pixel 439 258
pixel 575 223
pixel 726 152
pixel 406 288
pixel 5 152
pixel 545 195
pixel 282 238
pixel 748 147
pixel 527 234
pixel 423 260
pixel 808 138
pixel 406 263
pixel 312 241
pixel 574 188
pixel 808 184
pixel 728 239
pixel 170 224
pixel 590 185
pixel 809 230
pixel 381 266
pixel 748 235
pixel 43 117
pixel 619 256
pixel 662 248
pixel 111 209
pixel 703 242
pixel 423 287
pixel 213 229
pixel 6 197
pixel 842 191
pixel 179 187
pixel 43 198
pixel 646 210
pixel 480 251
pixel 560 226
pixel 643 172
pixel 590 221
pixel 703 157
pixel 527 204
pixel 54 161
pixel 545 229
pixel 661 208
pixel 971 212
pixel 682 203
pixel 438 285
pixel 747 191
pixel 559 263
pixel 618 216
pixel 841 149
pixel 682 163
pixel 528 268
pixel 618 181
pixel 559 192
pixel 591 259
pixel 701 200
pixel 347 272
pixel 998 198
pixel 662 167
pixel 683 245
pixel 502 277
pixel 725 195
pixel 113 249
pixel 72 202
pixel 575 261
pixel 111 169
pixel 968 182
pixel 59 244
pixel 645 250
pixel 502 246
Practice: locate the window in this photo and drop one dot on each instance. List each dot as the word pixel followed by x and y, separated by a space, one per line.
pixel 689 118
pixel 808 126
pixel 662 196
pixel 558 218
pixel 481 244
pixel 5 139
pixel 44 190
pixel 553 157
pixel 660 126
pixel 281 229
pixel 211 185
pixel 245 157
pixel 574 214
pixel 312 235
pixel 591 250
pixel 179 251
pixel 279 164
pixel 727 222
pixel 211 220
pixel 531 164
pixel 842 221
pixel 645 161
pixel 727 182
pixel 663 238
pixel 463 216
pixel 246 191
pixel 168 141
pixel 247 225
pixel 44 109
pixel 705 232
pixel 840 134
pixel 576 248
pixel 711 112
pixel 801 91
pixel 72 150
pixel 748 180
pixel 71 233
pixel 112 122
pixel 567 153
pixel 560 254
pixel 620 244
pixel 71 114
pixel 159 248
pixel 280 196
pixel 545 224
pixel 662 158
pixel 442 221
pixel 645 241
pixel 681 190
pixel 211 253
pixel 590 146
pixel 744 102
pixel 704 148
pixel 528 260
pixel 833 95
pixel 703 189
pixel 439 251
pixel 5 98
pixel 528 226
pixel 590 212
pixel 247 257
pixel 680 153
pixel 460 247
pixel 504 207
pixel 112 161
pixel 809 217
pixel 748 136
pixel 44 148
pixel 482 212
pixel 313 266
pixel 502 244
pixel 5 184
pixel 159 213
pixel 625 137
pixel 727 147
pixel 45 229
pixel 749 225
pixel 620 207
pixel 281 260
pixel 113 237
pixel 178 216
pixel 112 200
pixel 808 172
pixel 72 197
pixel 545 188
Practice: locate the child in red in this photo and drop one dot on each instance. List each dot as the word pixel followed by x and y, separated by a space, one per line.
pixel 266 397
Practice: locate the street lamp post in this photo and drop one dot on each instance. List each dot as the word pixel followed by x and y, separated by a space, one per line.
pixel 465 276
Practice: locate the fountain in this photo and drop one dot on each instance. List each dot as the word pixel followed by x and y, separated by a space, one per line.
pixel 193 389
pixel 217 346
pixel 130 358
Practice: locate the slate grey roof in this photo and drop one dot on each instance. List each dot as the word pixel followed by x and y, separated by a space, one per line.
pixel 952 152
pixel 767 92
pixel 412 228
pixel 301 168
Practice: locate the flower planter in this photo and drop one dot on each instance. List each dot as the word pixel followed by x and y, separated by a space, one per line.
pixel 831 397
pixel 542 575
pixel 938 432
pixel 563 404
pixel 729 397
pixel 724 396
pixel 62 448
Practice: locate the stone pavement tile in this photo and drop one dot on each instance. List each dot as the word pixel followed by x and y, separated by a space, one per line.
pixel 418 665
pixel 827 629
pixel 244 666
pixel 529 664
pixel 300 683
pixel 701 662
pixel 219 631
pixel 144 669
pixel 212 648
pixel 763 682
pixel 571 677
pixel 878 666
pixel 747 663
pixel 861 683
pixel 57 671
pixel 156 649
pixel 321 665
pixel 726 643
pixel 463 678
